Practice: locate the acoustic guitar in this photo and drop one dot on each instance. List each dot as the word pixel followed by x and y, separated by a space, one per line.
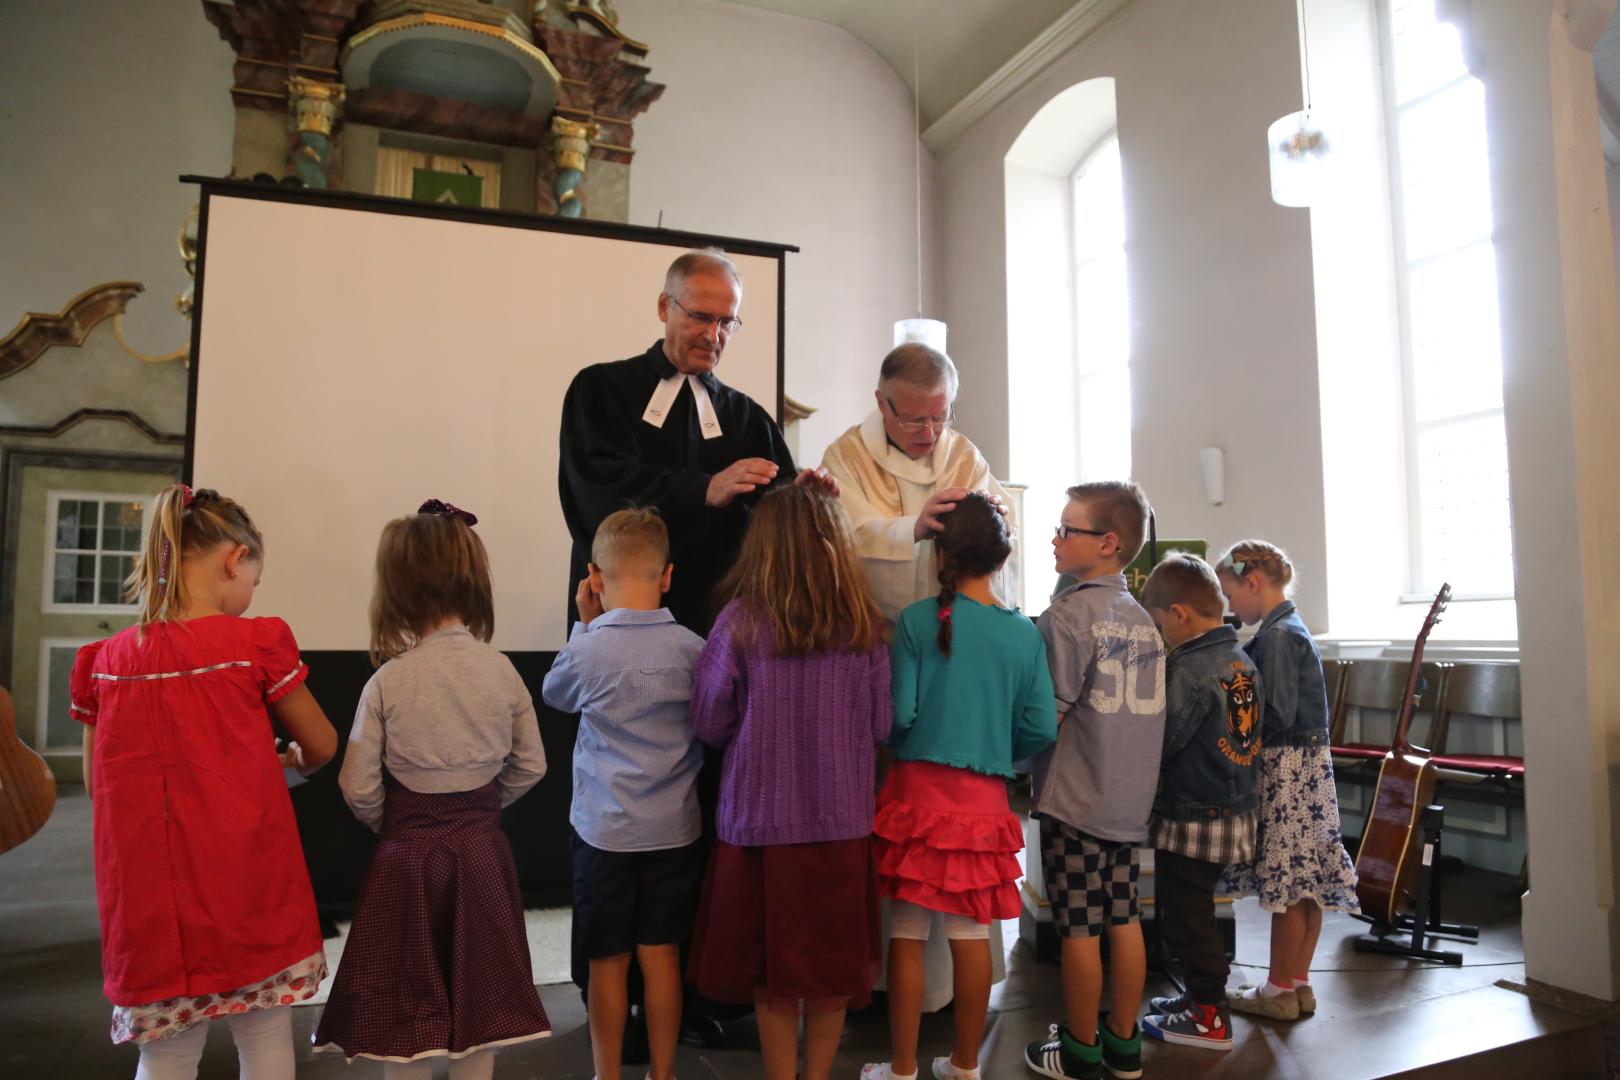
pixel 27 789
pixel 1387 862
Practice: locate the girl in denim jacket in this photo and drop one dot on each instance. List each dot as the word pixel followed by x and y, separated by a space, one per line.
pixel 1300 865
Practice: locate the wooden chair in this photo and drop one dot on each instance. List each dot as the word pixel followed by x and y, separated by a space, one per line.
pixel 1483 689
pixel 1381 685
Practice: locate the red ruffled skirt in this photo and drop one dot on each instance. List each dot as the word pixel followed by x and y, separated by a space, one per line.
pixel 789 923
pixel 946 840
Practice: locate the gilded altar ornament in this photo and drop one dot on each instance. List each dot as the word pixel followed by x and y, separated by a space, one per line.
pixel 570 147
pixel 315 107
pixel 603 9
pixel 186 241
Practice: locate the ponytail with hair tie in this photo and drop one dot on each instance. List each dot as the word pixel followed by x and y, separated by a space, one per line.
pixel 184 522
pixel 946 600
pixel 973 542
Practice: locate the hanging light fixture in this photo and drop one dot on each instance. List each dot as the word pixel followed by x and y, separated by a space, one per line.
pixel 930 332
pixel 1299 145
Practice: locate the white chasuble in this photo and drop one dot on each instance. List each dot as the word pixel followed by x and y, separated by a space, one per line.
pixel 883 491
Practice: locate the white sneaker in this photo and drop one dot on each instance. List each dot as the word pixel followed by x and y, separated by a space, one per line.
pixel 881 1070
pixel 1259 1001
pixel 946 1069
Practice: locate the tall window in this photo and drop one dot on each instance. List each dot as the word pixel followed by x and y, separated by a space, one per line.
pixel 1451 331
pixel 1102 318
pixel 95 539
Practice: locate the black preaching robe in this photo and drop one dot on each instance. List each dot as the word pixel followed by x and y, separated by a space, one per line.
pixel 612 459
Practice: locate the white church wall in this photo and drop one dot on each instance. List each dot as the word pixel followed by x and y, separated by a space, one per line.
pixel 781 128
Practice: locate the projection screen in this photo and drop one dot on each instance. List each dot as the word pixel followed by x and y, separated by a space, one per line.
pixel 353 356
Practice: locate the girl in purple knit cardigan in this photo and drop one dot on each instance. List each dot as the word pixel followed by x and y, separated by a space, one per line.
pixel 793 685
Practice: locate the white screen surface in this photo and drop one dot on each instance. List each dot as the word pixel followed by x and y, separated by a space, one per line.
pixel 352 363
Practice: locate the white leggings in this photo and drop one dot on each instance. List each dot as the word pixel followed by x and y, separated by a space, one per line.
pixel 909 921
pixel 479 1066
pixel 264 1048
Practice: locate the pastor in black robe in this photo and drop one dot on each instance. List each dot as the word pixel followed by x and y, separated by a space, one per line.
pixel 612 460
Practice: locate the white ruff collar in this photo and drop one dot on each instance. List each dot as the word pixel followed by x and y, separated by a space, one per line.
pixel 664 396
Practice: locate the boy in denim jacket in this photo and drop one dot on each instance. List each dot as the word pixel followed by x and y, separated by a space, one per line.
pixel 1208 803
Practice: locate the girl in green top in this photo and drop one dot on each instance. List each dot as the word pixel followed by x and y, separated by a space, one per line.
pixel 971 696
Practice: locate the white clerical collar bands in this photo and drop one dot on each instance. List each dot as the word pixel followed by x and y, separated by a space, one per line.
pixel 663 397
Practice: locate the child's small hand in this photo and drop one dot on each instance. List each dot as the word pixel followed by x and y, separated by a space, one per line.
pixel 292 757
pixel 819 479
pixel 588 603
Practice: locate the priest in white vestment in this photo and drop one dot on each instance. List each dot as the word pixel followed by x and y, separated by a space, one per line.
pixel 898 471
pixel 902 467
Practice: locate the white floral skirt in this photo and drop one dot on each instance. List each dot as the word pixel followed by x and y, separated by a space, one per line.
pixel 1299 852
pixel 169 1017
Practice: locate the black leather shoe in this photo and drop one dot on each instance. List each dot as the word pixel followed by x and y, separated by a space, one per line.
pixel 703 1032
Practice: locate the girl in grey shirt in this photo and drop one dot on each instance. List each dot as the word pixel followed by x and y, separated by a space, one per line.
pixel 437 961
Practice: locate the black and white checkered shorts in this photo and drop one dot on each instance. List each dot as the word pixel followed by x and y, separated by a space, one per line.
pixel 1090 883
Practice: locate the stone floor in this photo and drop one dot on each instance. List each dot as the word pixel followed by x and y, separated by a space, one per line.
pixel 1378 1016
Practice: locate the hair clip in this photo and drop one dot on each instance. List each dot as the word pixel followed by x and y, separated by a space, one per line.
pixel 163 565
pixel 186 495
pixel 444 509
pixel 944 614
pixel 1235 566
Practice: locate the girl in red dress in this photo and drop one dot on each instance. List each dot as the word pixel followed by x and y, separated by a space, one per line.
pixel 206 908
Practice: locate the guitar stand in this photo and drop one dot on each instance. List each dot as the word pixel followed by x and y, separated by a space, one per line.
pixel 1425 921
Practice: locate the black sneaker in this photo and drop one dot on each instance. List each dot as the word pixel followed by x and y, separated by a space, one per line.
pixel 1063 1056
pixel 702 1031
pixel 1121 1057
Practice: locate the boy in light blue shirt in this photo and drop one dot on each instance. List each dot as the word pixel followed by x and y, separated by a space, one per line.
pixel 637 862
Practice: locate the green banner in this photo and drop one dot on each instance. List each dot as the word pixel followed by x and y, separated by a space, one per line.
pixel 1136 574
pixel 458 189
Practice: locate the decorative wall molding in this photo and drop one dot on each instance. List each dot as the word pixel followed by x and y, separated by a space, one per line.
pixel 74 419
pixel 1071 28
pixel 38 332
